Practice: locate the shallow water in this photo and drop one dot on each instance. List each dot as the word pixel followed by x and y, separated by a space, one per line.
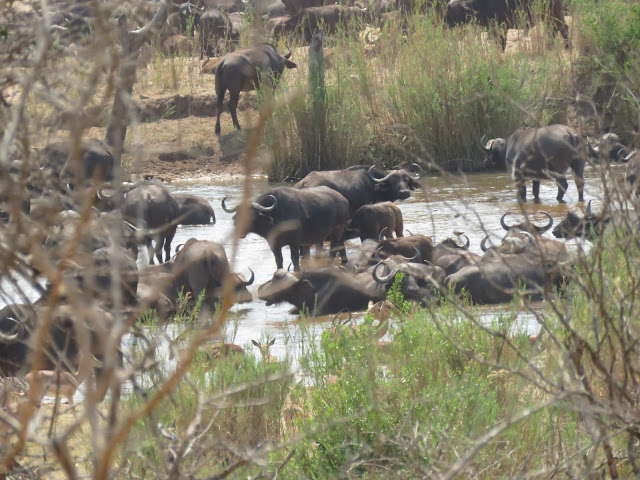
pixel 472 204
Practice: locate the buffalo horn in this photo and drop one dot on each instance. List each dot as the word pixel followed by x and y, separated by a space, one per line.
pixel 487 147
pixel 466 245
pixel 628 157
pixel 588 212
pixel 385 279
pixel 381 234
pixel 262 208
pixel 408 231
pixel 415 257
pixel 288 55
pixel 228 210
pixel 246 283
pixel 179 247
pixel 548 225
pixel 417 169
pixel 503 223
pixel 11 338
pixel 483 243
pixel 378 180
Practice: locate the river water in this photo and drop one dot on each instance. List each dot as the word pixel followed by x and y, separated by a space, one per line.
pixel 472 204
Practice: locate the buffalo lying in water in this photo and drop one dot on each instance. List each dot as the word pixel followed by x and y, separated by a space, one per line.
pixel 321 291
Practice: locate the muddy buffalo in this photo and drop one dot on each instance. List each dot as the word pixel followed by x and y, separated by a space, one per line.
pixel 243 70
pixel 321 291
pixel 362 185
pixel 417 248
pixel 540 153
pixel 194 210
pixel 375 221
pixel 297 218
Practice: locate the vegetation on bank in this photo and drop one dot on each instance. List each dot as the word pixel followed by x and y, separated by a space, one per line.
pixel 430 96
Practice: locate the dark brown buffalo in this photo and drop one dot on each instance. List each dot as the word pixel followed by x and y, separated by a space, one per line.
pixel 202 266
pixel 540 153
pixel 362 185
pixel 592 225
pixel 243 70
pixel 194 210
pixel 328 18
pixel 451 256
pixel 364 257
pixel 506 14
pixel 375 221
pixel 527 225
pixel 421 282
pixel 19 324
pixel 297 218
pixel 151 207
pixel 321 291
pixel 417 248
pixel 496 279
pixel 91 159
pixel 213 25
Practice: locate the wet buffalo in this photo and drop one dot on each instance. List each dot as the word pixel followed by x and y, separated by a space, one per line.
pixel 202 266
pixel 496 278
pixel 91 159
pixel 194 210
pixel 591 225
pixel 362 185
pixel 417 248
pixel 540 153
pixel 151 207
pixel 321 291
pixel 451 256
pixel 507 14
pixel 375 221
pixel 420 282
pixel 297 218
pixel 243 70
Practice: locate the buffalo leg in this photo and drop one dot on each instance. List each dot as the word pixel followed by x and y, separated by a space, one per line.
pixel 305 251
pixel 150 251
pixel 295 257
pixel 536 191
pixel 277 252
pixel 169 234
pixel 338 247
pixel 159 243
pixel 522 190
pixel 319 248
pixel 578 174
pixel 233 106
pixel 562 188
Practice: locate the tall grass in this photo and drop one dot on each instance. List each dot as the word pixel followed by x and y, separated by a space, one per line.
pixel 430 96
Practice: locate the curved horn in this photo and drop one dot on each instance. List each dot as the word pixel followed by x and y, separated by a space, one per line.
pixel 503 223
pixel 548 225
pixel 262 208
pixel 588 211
pixel 483 243
pixel 381 234
pixel 408 231
pixel 228 210
pixel 179 247
pixel 11 338
pixel 417 255
pixel 466 245
pixel 382 280
pixel 246 283
pixel 628 157
pixel 418 169
pixel 289 267
pixel 131 226
pixel 487 147
pixel 378 180
pixel 288 55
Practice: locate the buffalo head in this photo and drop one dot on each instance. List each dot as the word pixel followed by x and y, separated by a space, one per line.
pixel 576 223
pixel 261 219
pixel 395 185
pixel 496 153
pixel 457 13
pixel 527 225
pixel 286 287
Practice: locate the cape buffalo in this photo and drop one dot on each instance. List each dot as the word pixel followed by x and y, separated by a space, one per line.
pixel 375 221
pixel 417 248
pixel 322 290
pixel 420 281
pixel 153 208
pixel 591 225
pixel 507 14
pixel 202 265
pixel 213 24
pixel 92 159
pixel 243 70
pixel 194 210
pixel 362 185
pixel 298 218
pixel 326 18
pixel 452 256
pixel 539 153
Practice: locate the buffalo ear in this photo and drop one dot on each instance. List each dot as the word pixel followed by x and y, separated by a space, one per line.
pixel 290 64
